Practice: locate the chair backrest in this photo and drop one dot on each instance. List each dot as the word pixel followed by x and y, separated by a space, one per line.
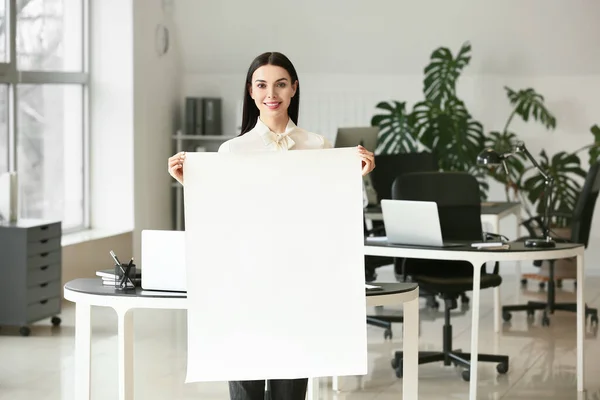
pixel 457 196
pixel 391 166
pixel 458 199
pixel 581 223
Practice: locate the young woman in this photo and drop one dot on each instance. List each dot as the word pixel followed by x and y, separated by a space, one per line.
pixel 270 115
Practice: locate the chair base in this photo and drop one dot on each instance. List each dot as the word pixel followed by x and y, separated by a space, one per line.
pixel 547 308
pixel 456 358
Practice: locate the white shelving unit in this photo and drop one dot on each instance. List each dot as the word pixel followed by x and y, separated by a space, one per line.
pixel 182 143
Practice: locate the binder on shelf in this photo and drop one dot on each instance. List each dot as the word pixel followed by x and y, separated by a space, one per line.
pixel 203 116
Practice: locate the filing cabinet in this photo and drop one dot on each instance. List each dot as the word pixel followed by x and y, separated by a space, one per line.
pixel 30 273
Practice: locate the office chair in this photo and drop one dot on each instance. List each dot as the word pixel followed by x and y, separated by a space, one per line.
pixel 581 225
pixel 390 167
pixel 371 264
pixel 458 199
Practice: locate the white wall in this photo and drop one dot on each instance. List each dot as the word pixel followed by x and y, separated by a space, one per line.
pixel 352 54
pixel 111 114
pixel 156 101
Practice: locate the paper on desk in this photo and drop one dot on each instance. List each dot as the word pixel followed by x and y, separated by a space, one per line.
pixel 275 265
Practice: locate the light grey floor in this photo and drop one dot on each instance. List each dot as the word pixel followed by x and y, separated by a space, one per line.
pixel 542 359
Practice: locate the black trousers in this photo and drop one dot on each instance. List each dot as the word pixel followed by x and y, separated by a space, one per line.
pixel 281 389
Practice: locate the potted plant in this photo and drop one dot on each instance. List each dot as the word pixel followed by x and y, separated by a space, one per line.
pixel 441 124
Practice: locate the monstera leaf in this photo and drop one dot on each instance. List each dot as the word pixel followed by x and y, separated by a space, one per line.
pixel 449 132
pixel 594 150
pixel 564 168
pixel 529 104
pixel 395 132
pixel 443 71
pixel 503 142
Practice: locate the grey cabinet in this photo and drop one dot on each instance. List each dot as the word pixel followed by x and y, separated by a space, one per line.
pixel 30 272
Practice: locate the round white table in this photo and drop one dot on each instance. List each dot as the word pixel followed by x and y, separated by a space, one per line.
pixel 478 258
pixel 86 293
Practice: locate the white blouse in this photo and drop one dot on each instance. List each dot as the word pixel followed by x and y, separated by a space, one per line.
pixel 261 138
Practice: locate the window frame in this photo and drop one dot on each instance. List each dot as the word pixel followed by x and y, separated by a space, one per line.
pixel 12 77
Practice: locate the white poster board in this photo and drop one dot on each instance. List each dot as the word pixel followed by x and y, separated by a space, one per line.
pixel 275 265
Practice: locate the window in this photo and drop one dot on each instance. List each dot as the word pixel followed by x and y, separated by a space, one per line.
pixel 43 136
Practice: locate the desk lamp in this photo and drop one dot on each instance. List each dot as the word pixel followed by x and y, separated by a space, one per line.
pixel 490 157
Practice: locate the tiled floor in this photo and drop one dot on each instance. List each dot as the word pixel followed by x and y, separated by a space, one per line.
pixel 542 363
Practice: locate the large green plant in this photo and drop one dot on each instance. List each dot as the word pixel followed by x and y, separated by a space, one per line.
pixel 440 124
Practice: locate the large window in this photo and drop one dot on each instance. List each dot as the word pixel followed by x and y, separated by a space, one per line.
pixel 43 123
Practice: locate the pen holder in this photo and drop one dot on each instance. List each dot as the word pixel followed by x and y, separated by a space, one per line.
pixel 125 276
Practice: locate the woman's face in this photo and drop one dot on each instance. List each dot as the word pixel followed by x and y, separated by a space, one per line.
pixel 272 90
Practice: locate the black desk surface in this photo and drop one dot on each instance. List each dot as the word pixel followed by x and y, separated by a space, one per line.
pixel 493 208
pixel 514 247
pixel 94 286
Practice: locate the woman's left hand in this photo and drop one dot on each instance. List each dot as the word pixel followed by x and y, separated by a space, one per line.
pixel 368 160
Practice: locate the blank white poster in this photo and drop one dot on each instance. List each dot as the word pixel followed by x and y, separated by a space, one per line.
pixel 275 265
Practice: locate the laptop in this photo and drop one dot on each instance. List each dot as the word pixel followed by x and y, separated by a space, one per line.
pixel 163 260
pixel 414 223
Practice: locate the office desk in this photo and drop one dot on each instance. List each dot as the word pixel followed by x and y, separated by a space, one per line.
pixel 491 212
pixel 86 293
pixel 478 258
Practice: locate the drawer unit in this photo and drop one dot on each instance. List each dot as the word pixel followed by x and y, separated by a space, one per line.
pixel 30 268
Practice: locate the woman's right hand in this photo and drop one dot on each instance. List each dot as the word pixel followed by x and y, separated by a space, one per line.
pixel 176 166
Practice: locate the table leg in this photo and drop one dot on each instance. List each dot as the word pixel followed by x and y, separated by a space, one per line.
pixel 475 329
pixel 410 349
pixel 312 391
pixel 83 336
pixel 580 324
pixel 335 383
pixel 497 307
pixel 125 338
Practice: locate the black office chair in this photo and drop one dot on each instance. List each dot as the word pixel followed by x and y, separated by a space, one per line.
pixel 581 225
pixel 371 264
pixel 391 166
pixel 458 199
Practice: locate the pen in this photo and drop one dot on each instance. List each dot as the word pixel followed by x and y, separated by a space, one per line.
pixel 125 277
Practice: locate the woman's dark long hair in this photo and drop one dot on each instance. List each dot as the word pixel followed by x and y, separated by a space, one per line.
pixel 251 112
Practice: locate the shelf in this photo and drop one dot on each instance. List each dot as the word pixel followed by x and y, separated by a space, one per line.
pixel 203 137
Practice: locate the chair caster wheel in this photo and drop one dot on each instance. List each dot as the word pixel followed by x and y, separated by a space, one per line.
pixel 542 285
pixel 502 368
pixel 24 331
pixel 530 313
pixel 506 316
pixel 545 320
pixel 523 282
pixel 466 375
pixel 55 321
pixel 387 334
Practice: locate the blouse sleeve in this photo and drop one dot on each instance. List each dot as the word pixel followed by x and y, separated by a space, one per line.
pixel 327 144
pixel 224 147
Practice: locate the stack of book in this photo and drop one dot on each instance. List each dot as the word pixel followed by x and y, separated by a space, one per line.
pixel 109 278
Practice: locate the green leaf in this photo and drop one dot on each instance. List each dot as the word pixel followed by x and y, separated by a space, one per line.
pixel 395 132
pixel 443 71
pixel 594 151
pixel 529 104
pixel 503 142
pixel 565 169
pixel 450 133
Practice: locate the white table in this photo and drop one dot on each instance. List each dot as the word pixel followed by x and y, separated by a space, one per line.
pixel 517 252
pixel 86 293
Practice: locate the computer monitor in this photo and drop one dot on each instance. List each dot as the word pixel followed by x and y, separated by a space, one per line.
pixel 352 137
